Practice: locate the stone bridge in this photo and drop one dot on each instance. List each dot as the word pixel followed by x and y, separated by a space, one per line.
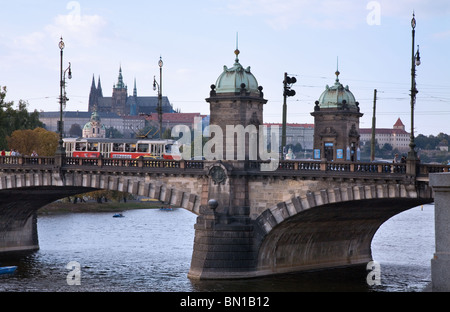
pixel 304 215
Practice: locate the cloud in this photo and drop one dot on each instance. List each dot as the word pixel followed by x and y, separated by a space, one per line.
pixel 281 15
pixel 83 29
pixel 329 14
pixel 79 29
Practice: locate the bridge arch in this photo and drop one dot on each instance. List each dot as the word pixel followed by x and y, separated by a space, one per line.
pixel 21 195
pixel 328 228
pixel 166 188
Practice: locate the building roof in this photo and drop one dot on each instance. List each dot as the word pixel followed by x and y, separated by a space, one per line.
pixel 232 79
pixel 337 96
pixel 398 128
pixel 399 124
pixel 382 131
pixel 78 114
pixel 309 126
pixel 176 117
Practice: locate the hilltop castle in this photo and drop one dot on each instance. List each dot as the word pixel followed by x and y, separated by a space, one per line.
pixel 121 103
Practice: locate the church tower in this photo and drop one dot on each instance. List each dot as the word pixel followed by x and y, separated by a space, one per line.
pixel 119 97
pixel 93 97
pixel 336 124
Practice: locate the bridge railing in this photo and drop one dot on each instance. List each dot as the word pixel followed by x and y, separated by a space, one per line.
pixel 426 169
pixel 283 166
pixel 26 161
pixel 363 167
pixel 133 163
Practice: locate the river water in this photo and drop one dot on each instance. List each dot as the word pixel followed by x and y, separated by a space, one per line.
pixel 150 251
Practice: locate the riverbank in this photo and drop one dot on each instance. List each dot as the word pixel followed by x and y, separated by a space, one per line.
pixel 62 207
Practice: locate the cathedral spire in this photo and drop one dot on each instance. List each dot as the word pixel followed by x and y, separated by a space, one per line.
pixel 120 84
pixel 135 89
pixel 99 88
pixel 93 83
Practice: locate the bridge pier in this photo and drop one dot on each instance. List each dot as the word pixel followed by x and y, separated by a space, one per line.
pixel 18 214
pixel 223 244
pixel 223 247
pixel 440 264
pixel 19 236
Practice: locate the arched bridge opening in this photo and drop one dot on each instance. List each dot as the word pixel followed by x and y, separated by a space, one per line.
pixel 22 195
pixel 328 235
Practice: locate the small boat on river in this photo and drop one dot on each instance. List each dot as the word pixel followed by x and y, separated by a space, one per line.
pixel 118 215
pixel 7 269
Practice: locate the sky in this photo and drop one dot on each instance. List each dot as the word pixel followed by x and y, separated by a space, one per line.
pixel 371 39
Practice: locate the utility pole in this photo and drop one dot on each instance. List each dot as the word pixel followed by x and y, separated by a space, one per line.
pixel 372 144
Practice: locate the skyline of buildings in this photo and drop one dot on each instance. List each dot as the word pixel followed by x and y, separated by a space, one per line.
pixel 130 114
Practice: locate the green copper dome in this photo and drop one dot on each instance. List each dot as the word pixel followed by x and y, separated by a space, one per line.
pixel 233 79
pixel 337 96
pixel 95 118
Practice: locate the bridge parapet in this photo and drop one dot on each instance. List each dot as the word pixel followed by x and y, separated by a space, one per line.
pixel 292 167
pixel 13 161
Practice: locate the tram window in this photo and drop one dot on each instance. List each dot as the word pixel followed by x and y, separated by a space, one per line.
pixel 92 147
pixel 130 148
pixel 118 147
pixel 142 148
pixel 168 148
pixel 80 146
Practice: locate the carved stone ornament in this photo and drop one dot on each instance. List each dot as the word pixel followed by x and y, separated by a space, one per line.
pixel 218 174
pixel 329 132
pixel 353 132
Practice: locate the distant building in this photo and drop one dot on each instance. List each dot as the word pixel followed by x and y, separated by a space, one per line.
pixel 121 103
pixel 295 133
pixel 51 119
pixel 94 128
pixel 397 137
pixel 129 126
pixel 171 120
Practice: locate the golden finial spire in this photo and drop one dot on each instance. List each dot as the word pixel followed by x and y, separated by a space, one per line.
pixel 237 52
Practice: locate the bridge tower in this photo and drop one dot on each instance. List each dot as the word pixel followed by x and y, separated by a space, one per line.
pixel 336 124
pixel 236 102
pixel 223 245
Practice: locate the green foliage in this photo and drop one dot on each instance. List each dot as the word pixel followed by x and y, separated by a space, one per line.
pixel 42 141
pixel 113 133
pixel 15 119
pixel 431 142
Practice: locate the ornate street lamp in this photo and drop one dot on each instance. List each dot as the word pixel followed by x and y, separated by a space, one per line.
pixel 62 99
pixel 158 87
pixel 415 61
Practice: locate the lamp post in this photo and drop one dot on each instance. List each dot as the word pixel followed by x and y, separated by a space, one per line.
pixel 62 99
pixel 287 91
pixel 159 86
pixel 415 61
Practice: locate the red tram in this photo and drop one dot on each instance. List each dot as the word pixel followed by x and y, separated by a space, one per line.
pixel 122 148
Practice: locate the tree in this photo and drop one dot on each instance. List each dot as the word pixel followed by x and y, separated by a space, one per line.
pixel 12 119
pixel 40 140
pixel 112 132
pixel 75 131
